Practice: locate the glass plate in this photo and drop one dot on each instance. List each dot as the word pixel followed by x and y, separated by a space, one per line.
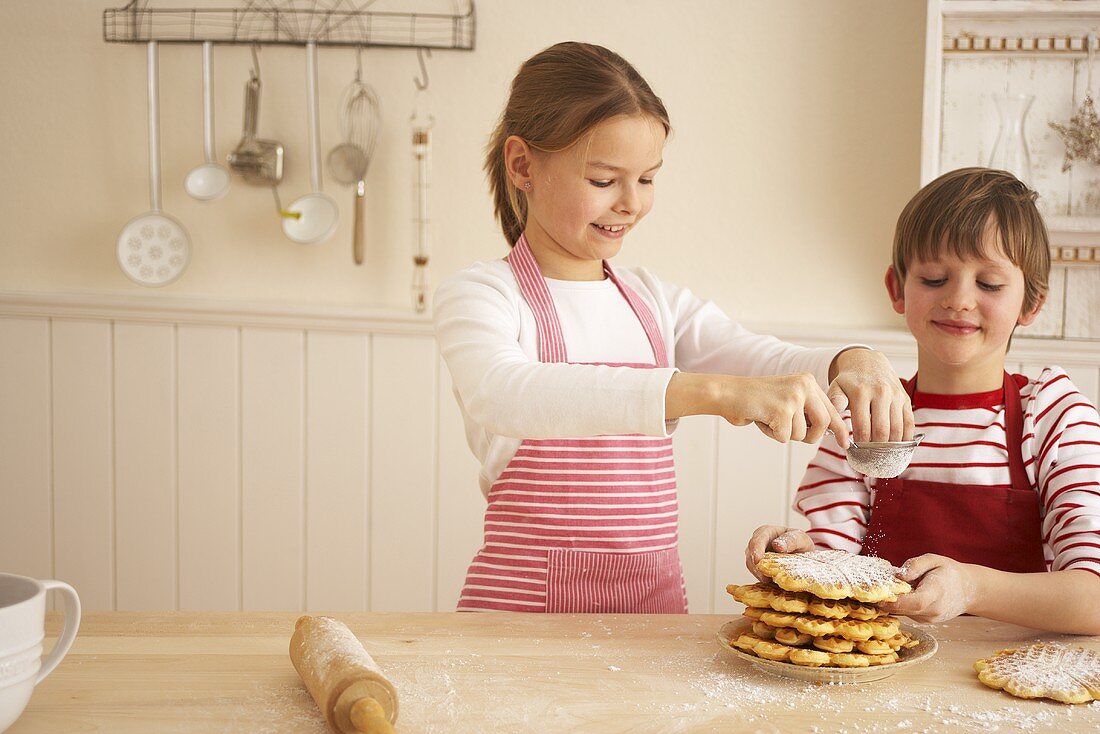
pixel 913 656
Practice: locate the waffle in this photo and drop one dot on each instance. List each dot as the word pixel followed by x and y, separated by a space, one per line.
pixel 790 636
pixel 833 643
pixel 857 630
pixel 1044 670
pixel 769 596
pixel 771 650
pixel 833 574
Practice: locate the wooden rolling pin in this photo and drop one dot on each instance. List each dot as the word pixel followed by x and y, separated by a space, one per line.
pixel 343 679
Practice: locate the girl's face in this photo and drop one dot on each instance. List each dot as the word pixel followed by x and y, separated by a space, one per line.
pixel 583 200
pixel 962 313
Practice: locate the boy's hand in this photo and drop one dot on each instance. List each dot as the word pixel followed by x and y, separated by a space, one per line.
pixel 776 538
pixel 942 590
pixel 865 383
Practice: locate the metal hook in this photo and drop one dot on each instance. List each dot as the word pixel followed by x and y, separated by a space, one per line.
pixel 255 62
pixel 422 85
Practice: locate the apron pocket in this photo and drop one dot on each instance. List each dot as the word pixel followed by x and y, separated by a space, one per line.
pixel 615 583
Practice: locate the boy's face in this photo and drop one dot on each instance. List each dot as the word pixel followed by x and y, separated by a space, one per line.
pixel 962 311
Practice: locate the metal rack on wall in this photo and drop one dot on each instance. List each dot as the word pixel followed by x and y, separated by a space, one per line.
pixel 275 22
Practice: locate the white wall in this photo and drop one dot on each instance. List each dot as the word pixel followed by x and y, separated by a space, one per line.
pixel 797 141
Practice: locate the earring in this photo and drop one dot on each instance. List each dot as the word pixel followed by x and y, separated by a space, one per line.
pixel 526 185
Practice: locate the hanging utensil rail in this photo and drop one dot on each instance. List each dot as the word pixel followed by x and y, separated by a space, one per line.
pixel 270 24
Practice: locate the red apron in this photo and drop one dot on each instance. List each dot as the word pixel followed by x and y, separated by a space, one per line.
pixel 992 526
pixel 580 524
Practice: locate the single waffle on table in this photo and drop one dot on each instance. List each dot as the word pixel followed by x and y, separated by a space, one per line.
pixel 1044 670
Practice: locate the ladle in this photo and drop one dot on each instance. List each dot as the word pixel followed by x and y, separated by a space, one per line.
pixel 318 212
pixel 210 180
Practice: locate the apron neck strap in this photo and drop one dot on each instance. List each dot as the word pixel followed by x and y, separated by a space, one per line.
pixel 533 286
pixel 1014 433
pixel 645 316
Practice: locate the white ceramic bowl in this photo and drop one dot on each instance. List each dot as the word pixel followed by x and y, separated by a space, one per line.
pixel 18 674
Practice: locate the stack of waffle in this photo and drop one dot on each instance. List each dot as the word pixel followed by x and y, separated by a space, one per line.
pixel 819 609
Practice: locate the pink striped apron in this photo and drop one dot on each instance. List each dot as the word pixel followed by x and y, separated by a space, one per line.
pixel 580 524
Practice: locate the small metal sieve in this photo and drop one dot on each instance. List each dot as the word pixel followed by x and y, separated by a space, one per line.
pixel 882 459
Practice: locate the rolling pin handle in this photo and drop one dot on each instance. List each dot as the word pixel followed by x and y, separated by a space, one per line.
pixel 368 716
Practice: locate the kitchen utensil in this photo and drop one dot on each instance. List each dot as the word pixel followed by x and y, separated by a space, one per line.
pixel 318 211
pixel 255 160
pixel 210 180
pixel 422 122
pixel 882 459
pixel 348 686
pixel 349 161
pixel 926 648
pixel 22 630
pixel 153 249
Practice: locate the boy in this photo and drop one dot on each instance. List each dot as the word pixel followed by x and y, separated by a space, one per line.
pixel 999 513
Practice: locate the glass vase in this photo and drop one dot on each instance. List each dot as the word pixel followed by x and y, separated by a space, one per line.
pixel 1010 148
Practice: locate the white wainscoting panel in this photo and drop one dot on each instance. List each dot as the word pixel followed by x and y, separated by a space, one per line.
pixel 82 447
pixel 26 479
pixel 209 465
pixel 162 454
pixel 337 445
pixel 403 507
pixel 272 468
pixel 145 465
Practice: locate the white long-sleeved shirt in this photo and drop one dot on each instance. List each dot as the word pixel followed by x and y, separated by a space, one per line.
pixel 487 336
pixel 965 443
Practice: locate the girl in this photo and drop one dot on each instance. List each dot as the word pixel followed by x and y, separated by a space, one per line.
pixel 565 369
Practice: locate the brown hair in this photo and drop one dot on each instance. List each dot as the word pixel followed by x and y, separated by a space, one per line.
pixel 952 213
pixel 558 96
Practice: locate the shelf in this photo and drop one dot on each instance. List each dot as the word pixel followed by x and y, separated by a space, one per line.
pixel 1017 9
pixel 270 24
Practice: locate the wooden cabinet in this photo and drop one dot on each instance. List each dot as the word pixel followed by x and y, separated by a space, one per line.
pixel 979 49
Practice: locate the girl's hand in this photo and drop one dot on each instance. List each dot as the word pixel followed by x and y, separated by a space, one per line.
pixel 864 382
pixel 776 538
pixel 943 589
pixel 783 407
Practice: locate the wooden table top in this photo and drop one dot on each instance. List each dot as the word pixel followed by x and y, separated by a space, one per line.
pixel 230 672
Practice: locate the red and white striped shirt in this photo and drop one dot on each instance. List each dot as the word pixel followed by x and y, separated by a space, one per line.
pixel 965 444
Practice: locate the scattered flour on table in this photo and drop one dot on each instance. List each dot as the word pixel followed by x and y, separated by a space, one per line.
pixel 720 696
